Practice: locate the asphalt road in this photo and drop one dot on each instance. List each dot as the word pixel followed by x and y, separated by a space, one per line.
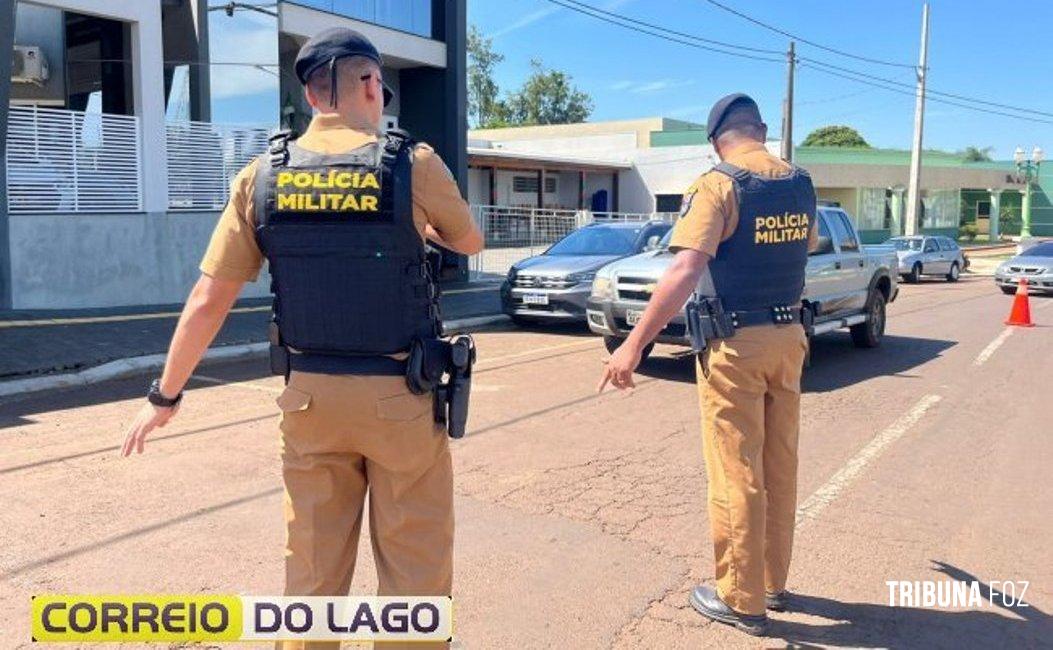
pixel 581 518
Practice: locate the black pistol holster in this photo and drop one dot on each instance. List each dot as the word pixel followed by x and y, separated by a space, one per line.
pixel 707 321
pixel 431 362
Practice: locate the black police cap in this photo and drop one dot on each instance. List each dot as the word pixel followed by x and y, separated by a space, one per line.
pixel 331 44
pixel 723 106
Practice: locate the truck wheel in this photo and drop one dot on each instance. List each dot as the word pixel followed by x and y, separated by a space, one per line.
pixel 953 275
pixel 868 334
pixel 915 274
pixel 612 343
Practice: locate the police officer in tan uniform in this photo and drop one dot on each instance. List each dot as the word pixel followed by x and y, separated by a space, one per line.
pixel 741 247
pixel 341 214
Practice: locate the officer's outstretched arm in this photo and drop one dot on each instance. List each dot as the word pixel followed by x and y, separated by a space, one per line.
pixel 673 290
pixel 207 307
pixel 469 243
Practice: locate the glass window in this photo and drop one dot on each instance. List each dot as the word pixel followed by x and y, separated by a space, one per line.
pixel 905 243
pixel 597 240
pixel 930 246
pixel 846 236
pixel 826 244
pixel 947 244
pixel 413 16
pixel 1041 250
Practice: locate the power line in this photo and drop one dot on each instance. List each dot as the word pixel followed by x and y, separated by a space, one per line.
pixel 629 19
pixel 663 34
pixel 929 91
pixel 884 83
pixel 932 99
pixel 805 40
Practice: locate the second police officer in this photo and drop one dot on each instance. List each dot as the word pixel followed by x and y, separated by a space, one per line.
pixel 341 215
pixel 741 247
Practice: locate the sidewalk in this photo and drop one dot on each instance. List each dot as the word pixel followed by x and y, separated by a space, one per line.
pixel 36 343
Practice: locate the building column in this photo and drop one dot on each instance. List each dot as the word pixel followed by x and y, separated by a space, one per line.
pixel 149 91
pixel 581 190
pixel 540 188
pixel 896 227
pixel 614 192
pixel 993 224
pixel 493 186
pixel 200 85
pixel 7 43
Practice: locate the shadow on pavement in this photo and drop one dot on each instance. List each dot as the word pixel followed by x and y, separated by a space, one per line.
pixel 866 625
pixel 18 411
pixel 836 363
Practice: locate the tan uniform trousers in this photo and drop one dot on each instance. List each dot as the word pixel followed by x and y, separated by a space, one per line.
pixel 340 436
pixel 750 394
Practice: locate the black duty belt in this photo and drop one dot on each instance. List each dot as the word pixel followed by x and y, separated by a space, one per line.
pixel 782 315
pixel 337 365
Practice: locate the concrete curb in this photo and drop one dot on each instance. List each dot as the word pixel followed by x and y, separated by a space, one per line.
pixel 136 365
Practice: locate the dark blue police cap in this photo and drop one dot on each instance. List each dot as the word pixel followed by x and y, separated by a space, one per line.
pixel 335 43
pixel 723 106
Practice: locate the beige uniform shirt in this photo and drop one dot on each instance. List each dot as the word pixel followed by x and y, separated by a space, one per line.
pixel 711 209
pixel 233 253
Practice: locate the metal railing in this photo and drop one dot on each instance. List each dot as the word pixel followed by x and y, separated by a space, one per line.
pixel 71 161
pixel 513 233
pixel 203 159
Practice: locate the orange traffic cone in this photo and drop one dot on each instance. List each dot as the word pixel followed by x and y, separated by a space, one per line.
pixel 1020 314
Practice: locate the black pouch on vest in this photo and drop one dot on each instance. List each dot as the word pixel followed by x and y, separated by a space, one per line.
pixel 715 319
pixel 428 361
pixel 278 352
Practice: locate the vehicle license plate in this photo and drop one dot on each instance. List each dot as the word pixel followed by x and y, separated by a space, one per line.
pixel 632 316
pixel 535 298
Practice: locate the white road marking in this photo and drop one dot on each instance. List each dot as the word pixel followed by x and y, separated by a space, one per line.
pixel 527 353
pixel 832 489
pixel 251 385
pixel 993 346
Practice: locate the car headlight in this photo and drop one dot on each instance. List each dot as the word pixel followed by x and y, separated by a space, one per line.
pixel 601 288
pixel 581 277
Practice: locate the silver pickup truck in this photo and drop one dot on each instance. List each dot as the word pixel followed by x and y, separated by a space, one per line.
pixel 847 285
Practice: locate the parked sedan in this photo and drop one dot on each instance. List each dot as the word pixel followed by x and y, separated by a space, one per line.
pixel 928 255
pixel 1035 264
pixel 555 285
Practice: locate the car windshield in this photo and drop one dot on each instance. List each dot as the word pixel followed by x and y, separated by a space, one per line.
pixel 904 244
pixel 1042 250
pixel 597 240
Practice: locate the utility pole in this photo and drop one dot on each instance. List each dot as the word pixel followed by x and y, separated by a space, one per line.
pixel 787 108
pixel 914 188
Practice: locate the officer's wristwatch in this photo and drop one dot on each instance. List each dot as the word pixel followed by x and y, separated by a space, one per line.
pixel 157 399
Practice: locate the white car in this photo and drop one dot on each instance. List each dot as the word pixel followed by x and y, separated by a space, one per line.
pixel 928 255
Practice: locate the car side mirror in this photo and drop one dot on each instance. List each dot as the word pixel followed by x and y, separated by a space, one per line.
pixel 652 243
pixel 824 247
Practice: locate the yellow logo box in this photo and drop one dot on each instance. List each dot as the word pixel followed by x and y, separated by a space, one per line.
pixel 145 617
pixel 204 618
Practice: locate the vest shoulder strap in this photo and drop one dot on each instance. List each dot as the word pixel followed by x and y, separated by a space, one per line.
pixel 733 171
pixel 395 142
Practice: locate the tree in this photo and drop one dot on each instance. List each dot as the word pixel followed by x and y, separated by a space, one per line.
pixel 976 154
pixel 482 89
pixel 835 136
pixel 546 97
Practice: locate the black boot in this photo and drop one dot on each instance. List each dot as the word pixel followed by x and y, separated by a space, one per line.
pixel 779 602
pixel 707 603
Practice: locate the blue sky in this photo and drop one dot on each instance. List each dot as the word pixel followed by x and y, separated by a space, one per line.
pixel 995 51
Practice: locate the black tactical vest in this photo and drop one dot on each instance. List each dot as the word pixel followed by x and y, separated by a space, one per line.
pixel 348 268
pixel 762 264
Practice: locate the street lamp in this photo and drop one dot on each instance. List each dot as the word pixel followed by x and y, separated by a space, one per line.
pixel 1029 169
